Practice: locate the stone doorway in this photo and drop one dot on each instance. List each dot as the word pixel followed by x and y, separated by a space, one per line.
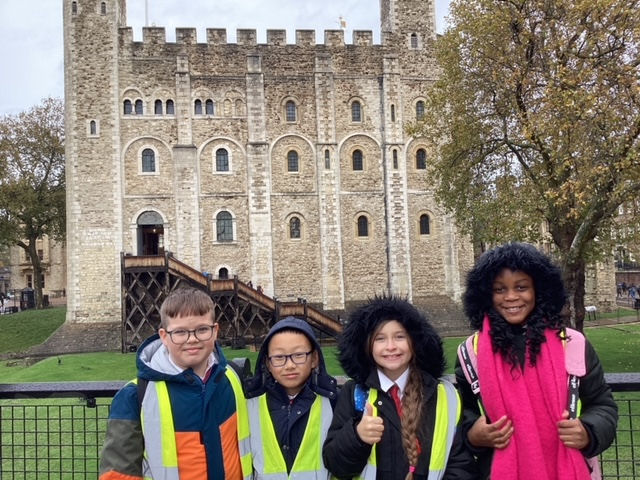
pixel 150 234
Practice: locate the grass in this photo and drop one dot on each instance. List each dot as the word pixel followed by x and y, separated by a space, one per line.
pixel 617 347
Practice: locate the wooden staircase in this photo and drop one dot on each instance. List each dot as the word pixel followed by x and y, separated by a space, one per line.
pixel 244 314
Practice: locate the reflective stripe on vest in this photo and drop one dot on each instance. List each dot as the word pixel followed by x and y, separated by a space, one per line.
pixel 160 454
pixel 268 461
pixel 448 411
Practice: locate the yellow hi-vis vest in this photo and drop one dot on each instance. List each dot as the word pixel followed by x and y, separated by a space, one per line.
pixel 160 456
pixel 448 411
pixel 268 462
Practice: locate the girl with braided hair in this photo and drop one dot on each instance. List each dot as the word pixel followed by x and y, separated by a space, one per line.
pixel 396 418
pixel 520 417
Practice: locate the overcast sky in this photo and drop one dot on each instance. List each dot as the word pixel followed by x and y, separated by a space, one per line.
pixel 31 48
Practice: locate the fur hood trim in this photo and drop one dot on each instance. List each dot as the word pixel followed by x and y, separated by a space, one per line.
pixel 547 278
pixel 353 343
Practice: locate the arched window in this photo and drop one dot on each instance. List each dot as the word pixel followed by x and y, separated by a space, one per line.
pixel 363 226
pixel 208 107
pixel 414 40
pixel 197 107
pixel 170 107
pixel 148 161
pixel 424 224
pixel 223 273
pixel 103 8
pixel 358 163
pixel 290 111
pixel 93 130
pixel 157 108
pixel 222 160
pixel 393 113
pixel 421 159
pixel 128 110
pixel 395 159
pixel 419 110
pixel 327 159
pixel 292 161
pixel 139 107
pixel 74 7
pixel 224 227
pixel 356 111
pixel 294 227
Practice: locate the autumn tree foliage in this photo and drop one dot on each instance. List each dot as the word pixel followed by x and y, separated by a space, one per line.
pixel 32 180
pixel 534 122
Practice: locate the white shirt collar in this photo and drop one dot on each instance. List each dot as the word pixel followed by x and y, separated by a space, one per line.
pixel 386 383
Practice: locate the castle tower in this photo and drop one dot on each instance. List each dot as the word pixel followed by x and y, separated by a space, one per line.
pixel 94 216
pixel 408 22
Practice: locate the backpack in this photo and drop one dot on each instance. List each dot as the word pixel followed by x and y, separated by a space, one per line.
pixel 574 360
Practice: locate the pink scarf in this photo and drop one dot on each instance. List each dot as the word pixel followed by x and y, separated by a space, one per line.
pixel 534 400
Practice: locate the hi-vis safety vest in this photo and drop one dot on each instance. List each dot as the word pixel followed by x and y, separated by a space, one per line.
pixel 161 456
pixel 268 461
pixel 448 411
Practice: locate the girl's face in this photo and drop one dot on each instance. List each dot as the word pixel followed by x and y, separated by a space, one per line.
pixel 514 295
pixel 391 349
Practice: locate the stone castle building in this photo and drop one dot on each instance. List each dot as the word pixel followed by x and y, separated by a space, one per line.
pixel 283 163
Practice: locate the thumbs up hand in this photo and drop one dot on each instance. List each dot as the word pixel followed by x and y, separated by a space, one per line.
pixel 370 428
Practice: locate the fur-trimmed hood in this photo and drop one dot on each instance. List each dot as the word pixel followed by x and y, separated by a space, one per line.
pixel 353 343
pixel 547 278
pixel 320 381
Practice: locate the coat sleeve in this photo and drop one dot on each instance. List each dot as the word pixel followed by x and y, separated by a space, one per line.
pixel 123 448
pixel 599 411
pixel 461 464
pixel 344 454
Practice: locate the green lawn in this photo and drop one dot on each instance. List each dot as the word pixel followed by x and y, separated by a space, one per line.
pixel 616 345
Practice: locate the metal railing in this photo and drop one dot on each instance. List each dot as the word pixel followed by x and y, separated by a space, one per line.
pixel 55 431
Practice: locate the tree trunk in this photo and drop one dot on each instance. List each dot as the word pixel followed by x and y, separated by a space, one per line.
pixel 574 278
pixel 37 273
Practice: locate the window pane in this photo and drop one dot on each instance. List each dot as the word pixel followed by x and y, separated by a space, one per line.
pixel 138 107
pixel 148 160
pixel 294 227
pixel 92 127
pixel 414 40
pixel 357 160
pixel 395 159
pixel 292 161
pixel 363 226
pixel 393 113
pixel 421 159
pixel 197 107
pixel 209 107
pixel 158 107
pixel 222 160
pixel 224 227
pixel 419 110
pixel 356 113
pixel 170 110
pixel 424 224
pixel 291 111
pixel 327 159
pixel 127 107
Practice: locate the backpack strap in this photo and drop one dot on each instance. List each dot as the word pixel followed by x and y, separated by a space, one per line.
pixel 141 384
pixel 469 362
pixel 574 360
pixel 360 395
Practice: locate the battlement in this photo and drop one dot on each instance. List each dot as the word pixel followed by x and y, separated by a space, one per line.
pixel 218 36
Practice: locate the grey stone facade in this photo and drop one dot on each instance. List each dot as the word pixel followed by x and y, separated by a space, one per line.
pixel 290 210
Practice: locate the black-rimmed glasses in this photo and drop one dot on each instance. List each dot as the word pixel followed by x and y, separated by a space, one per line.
pixel 298 358
pixel 181 335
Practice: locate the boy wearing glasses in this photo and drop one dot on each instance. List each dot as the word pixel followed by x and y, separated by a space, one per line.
pixel 290 403
pixel 179 419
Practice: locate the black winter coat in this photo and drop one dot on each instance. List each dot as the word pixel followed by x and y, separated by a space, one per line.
pixel 599 412
pixel 345 455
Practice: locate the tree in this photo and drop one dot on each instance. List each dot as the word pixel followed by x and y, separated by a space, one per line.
pixel 32 185
pixel 535 120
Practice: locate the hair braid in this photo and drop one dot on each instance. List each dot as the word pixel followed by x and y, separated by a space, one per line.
pixel 412 402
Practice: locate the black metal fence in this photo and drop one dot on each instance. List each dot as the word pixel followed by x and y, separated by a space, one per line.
pixel 55 430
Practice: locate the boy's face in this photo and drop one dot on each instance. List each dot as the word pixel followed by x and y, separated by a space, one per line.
pixel 514 296
pixel 294 372
pixel 185 348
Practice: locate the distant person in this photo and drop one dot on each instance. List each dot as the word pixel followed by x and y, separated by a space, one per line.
pixel 290 403
pixel 519 371
pixel 180 420
pixel 633 292
pixel 396 418
pixel 250 284
pixel 259 289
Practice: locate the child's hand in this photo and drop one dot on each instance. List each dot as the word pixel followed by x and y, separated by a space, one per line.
pixel 370 428
pixel 494 435
pixel 572 432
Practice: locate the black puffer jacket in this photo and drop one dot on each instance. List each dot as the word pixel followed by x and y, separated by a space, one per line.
pixel 344 454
